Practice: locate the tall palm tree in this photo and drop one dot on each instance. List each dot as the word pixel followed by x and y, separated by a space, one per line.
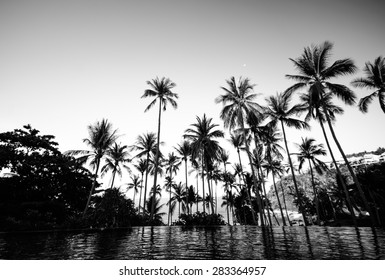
pixel 172 166
pixel 135 184
pixel 117 158
pixel 314 74
pixel 279 111
pixel 238 102
pixel 203 144
pixel 374 80
pixel 184 150
pixel 309 151
pixel 101 138
pixel 160 90
pixel 145 144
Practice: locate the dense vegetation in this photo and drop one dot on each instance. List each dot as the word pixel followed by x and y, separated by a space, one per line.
pixel 43 188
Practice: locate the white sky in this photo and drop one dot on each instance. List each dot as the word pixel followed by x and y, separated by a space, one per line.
pixel 67 64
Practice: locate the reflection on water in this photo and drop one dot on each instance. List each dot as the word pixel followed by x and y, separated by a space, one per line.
pixel 240 242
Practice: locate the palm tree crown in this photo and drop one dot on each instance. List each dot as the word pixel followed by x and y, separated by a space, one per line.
pixel 314 72
pixel 117 158
pixel 375 79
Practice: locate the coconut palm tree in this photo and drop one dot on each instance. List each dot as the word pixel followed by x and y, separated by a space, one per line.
pixel 117 157
pixel 141 166
pixel 172 164
pixel 145 144
pixel 179 196
pixel 279 111
pixel 238 102
pixel 314 74
pixel 184 150
pixel 101 138
pixel 135 184
pixel 374 80
pixel 203 144
pixel 160 90
pixel 309 151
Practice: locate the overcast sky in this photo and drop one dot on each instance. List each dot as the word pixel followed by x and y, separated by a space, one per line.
pixel 67 64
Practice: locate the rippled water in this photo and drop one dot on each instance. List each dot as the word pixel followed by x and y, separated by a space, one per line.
pixel 239 242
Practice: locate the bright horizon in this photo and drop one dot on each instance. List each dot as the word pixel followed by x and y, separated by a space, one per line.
pixel 68 64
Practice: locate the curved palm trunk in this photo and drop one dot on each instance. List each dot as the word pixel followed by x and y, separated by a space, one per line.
pixel 92 188
pixel 347 196
pixel 113 177
pixel 315 194
pixel 156 160
pixel 279 202
pixel 293 175
pixel 358 185
pixel 140 194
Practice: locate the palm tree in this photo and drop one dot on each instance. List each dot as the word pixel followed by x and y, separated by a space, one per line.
pixel 238 102
pixel 203 144
pixel 308 150
pixel 172 166
pixel 135 184
pixel 101 138
pixel 374 80
pixel 315 75
pixel 145 144
pixel 141 166
pixel 184 150
pixel 279 111
pixel 160 90
pixel 179 196
pixel 117 157
pixel 157 215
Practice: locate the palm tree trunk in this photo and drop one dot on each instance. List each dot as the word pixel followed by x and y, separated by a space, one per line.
pixel 339 175
pixel 259 200
pixel 259 173
pixel 284 203
pixel 92 188
pixel 203 184
pixel 134 197
pixel 197 194
pixel 187 189
pixel 279 202
pixel 315 194
pixel 156 160
pixel 145 184
pixel 227 194
pixel 169 207
pixel 210 190
pixel 293 175
pixel 356 182
pixel 140 195
pixel 113 177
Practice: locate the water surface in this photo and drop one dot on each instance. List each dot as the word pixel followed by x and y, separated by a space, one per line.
pixel 224 242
